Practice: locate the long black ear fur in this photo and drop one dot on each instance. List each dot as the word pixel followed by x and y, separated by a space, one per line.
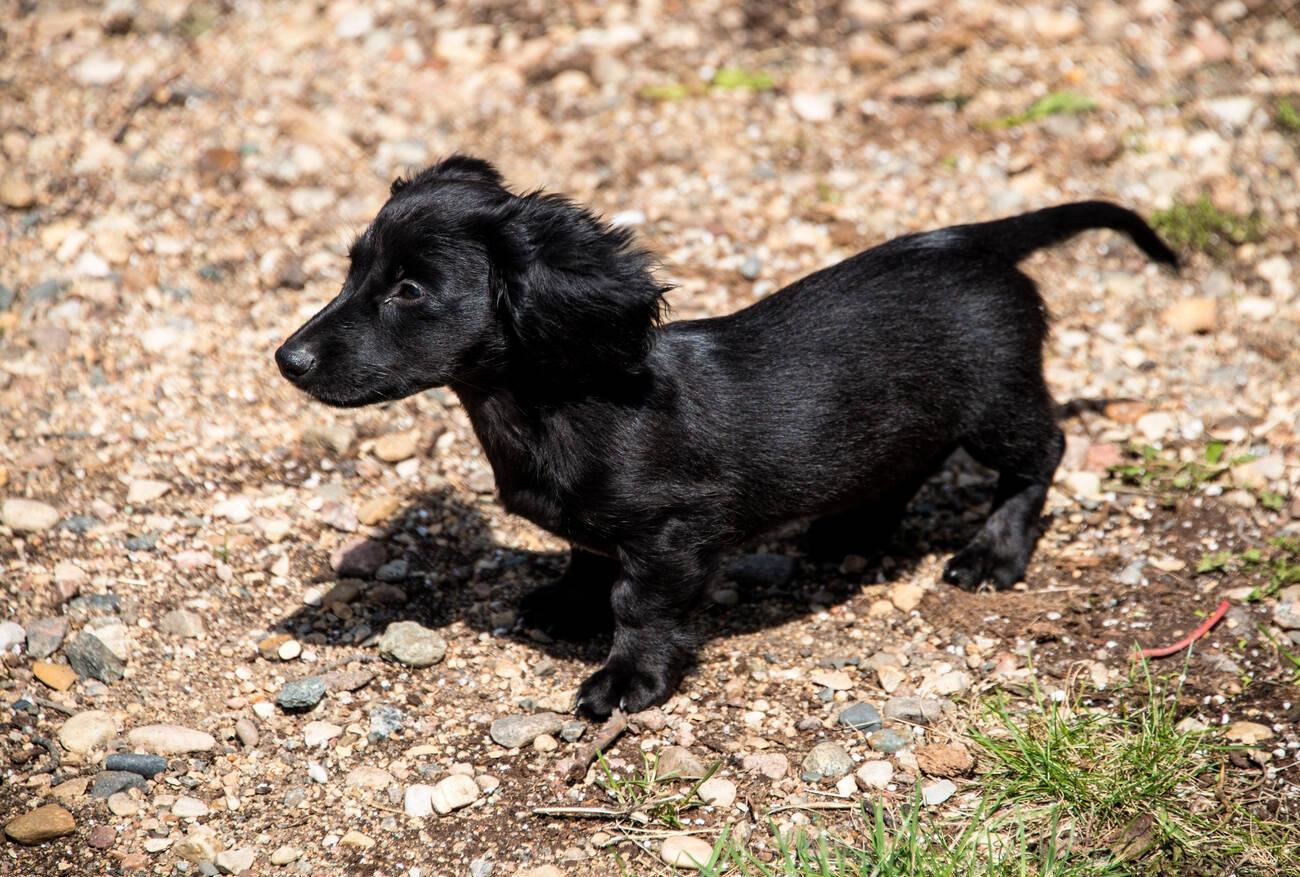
pixel 577 294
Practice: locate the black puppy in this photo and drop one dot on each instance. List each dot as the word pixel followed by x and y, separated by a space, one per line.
pixel 655 448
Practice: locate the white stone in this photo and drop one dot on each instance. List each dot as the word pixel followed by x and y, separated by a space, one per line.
pixel 890 678
pixel 122 804
pixel 235 861
pixel 285 855
pixel 11 635
pixel 92 265
pixel 718 792
pixel 1084 485
pixel 953 682
pixel 145 490
pixel 87 731
pixel 628 218
pixel 453 793
pixel 99 70
pixel 189 808
pixel 237 510
pixel 1256 307
pixel 937 792
pixel 1277 271
pixel 418 801
pixel 813 106
pixel 316 734
pixel 1155 425
pixel 682 851
pixel 28 516
pixel 1235 111
pixel 356 23
pixel 874 775
pixel 170 740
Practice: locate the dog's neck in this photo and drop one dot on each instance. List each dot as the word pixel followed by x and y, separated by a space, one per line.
pixel 539 438
pixel 514 418
pixel 525 444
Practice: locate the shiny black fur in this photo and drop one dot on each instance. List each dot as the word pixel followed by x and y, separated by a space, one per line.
pixel 655 448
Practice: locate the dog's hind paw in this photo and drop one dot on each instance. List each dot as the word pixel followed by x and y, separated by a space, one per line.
pixel 621 687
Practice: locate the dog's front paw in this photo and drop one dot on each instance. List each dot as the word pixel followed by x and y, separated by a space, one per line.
pixel 967 568
pixel 977 562
pixel 622 686
pixel 554 609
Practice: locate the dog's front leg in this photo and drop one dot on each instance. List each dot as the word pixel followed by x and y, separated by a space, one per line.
pixel 655 602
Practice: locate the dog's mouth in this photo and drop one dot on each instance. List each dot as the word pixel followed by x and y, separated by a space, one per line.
pixel 353 398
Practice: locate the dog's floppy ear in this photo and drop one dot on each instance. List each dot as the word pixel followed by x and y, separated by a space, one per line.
pixel 577 294
pixel 463 168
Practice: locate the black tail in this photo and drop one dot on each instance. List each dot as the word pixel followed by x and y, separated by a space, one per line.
pixel 1018 236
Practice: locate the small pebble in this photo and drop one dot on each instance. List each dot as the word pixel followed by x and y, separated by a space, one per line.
pixel 861 717
pixel 515 731
pixel 110 782
pixel 147 766
pixel 412 644
pixel 934 794
pixel 302 694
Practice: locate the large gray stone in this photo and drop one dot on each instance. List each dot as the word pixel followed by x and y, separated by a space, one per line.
pixel 91 657
pixel 515 731
pixel 826 762
pixel 412 644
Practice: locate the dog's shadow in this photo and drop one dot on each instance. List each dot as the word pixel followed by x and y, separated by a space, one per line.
pixel 457 571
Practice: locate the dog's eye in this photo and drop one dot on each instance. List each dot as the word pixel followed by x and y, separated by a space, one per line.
pixel 408 291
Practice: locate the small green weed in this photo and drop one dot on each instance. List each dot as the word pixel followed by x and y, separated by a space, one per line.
pixel 645 798
pixel 1199 225
pixel 1280 561
pixel 1164 474
pixel 668 91
pixel 1058 103
pixel 1287 115
pixel 736 77
pixel 725 79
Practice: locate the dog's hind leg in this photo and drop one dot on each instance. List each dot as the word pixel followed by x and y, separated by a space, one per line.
pixel 576 605
pixel 863 529
pixel 1024 447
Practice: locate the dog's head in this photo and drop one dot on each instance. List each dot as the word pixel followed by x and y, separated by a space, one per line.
pixel 460 282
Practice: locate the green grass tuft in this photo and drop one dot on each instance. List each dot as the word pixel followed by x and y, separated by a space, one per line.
pixel 1068 791
pixel 907 843
pixel 1199 225
pixel 1132 788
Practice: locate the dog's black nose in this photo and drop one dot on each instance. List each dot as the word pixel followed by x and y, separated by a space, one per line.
pixel 295 362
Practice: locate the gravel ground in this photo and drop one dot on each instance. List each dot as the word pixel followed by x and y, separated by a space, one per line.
pixel 186 542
